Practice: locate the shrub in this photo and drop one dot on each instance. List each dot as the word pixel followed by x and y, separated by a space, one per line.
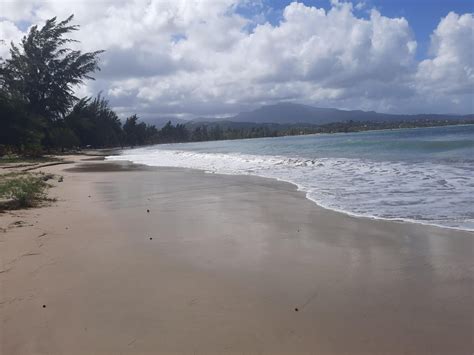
pixel 23 190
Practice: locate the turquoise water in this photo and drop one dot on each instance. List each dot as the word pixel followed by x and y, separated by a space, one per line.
pixel 422 175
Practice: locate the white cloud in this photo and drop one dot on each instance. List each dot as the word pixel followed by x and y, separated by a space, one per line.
pixel 8 33
pixel 446 81
pixel 451 70
pixel 17 10
pixel 203 57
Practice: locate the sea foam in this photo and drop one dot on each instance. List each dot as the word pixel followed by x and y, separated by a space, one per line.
pixel 426 192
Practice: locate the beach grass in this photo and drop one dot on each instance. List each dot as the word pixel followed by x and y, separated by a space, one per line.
pixel 23 190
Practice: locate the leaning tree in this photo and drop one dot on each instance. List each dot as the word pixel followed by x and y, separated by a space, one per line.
pixel 43 71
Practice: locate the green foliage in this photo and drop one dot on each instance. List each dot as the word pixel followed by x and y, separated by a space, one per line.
pixel 42 71
pixel 172 134
pixel 36 91
pixel 134 132
pixel 63 137
pixel 20 128
pixel 24 190
pixel 94 123
pixel 237 130
pixel 139 133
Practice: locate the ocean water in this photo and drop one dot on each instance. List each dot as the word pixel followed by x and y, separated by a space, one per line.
pixel 423 175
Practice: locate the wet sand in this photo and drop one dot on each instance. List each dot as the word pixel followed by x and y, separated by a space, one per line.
pixel 223 264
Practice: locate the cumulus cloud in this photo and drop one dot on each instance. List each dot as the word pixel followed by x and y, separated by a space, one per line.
pixel 8 33
pixel 204 57
pixel 446 80
pixel 451 70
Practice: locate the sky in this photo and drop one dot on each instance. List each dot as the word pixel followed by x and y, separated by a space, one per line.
pixel 191 58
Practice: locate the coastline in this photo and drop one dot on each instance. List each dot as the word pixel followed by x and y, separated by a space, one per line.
pixel 230 259
pixel 306 192
pixel 344 212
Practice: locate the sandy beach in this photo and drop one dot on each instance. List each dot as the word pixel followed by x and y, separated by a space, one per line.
pixel 138 260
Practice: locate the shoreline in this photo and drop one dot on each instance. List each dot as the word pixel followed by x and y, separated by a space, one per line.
pixel 223 264
pixel 317 134
pixel 302 189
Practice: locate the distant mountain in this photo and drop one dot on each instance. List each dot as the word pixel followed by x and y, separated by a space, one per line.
pixel 290 113
pixel 227 124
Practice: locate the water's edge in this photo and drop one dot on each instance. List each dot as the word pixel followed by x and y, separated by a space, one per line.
pixel 299 188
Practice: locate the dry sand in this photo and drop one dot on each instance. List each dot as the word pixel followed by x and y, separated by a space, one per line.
pixel 223 264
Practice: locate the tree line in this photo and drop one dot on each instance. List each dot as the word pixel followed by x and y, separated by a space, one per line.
pixel 233 130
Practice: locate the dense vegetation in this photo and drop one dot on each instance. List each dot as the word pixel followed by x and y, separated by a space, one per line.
pixel 39 111
pixel 241 130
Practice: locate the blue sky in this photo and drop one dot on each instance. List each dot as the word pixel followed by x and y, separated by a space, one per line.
pixel 422 15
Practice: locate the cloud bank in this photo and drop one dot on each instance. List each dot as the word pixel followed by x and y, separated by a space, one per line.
pixel 191 58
